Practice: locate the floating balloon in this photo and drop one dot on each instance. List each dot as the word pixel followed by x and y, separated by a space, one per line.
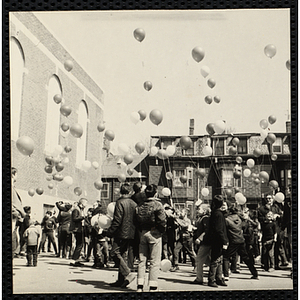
pixel 117 191
pixel 134 117
pixel 31 192
pixel 263 133
pixel 128 159
pixel 204 192
pixel 48 169
pixel 56 160
pixel 122 177
pixel 104 222
pixel 228 192
pixel 257 152
pixel 250 163
pixel 273 184
pixel 211 83
pixel 232 150
pixel 139 147
pixel 156 116
pixel 273 157
pixel 57 150
pixel 263 124
pixel 57 98
pixel 130 172
pixel 247 173
pixel 239 160
pixel 48 160
pixel 171 150
pixel 185 142
pixel 271 138
pixel 59 167
pixel 39 191
pixel 64 127
pixel 49 177
pixel 219 127
pixel 123 149
pixel 200 172
pixel 64 134
pixel 264 176
pixel 25 145
pixel 98 184
pixel 147 85
pixel 76 130
pixel 77 191
pixel 279 197
pixel 65 110
pixel 86 165
pixel 162 154
pixel 142 114
pixel 183 179
pixel 111 208
pixel 65 160
pixel 270 51
pixel 95 165
pixel 237 174
pixel 68 65
pixel 208 99
pixel 239 197
pixel 205 71
pixel 288 65
pixel 169 175
pixel 207 151
pixel 217 99
pixel 153 151
pixel 210 128
pixel 235 141
pixel 58 177
pixel 101 127
pixel 272 119
pixel 165 265
pixel 68 180
pixel 198 54
pixel 139 34
pixel 50 186
pixel 68 149
pixel 166 192
pixel 109 135
pixel 257 181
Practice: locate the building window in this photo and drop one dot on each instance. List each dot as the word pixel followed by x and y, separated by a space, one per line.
pixel 242 146
pixel 53 116
pixel 219 147
pixel 190 178
pixel 277 146
pixel 227 178
pixel 17 64
pixel 177 175
pixel 82 142
pixel 105 191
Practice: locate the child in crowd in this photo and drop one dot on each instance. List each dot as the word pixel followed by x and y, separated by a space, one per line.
pixel 31 236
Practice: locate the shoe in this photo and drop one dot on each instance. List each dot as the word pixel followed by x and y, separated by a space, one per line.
pixel 212 284
pixel 116 284
pixel 28 265
pixel 129 278
pixel 271 270
pixel 139 290
pixel 153 289
pixel 221 283
pixel 176 268
pixel 235 272
pixel 197 282
pixel 284 264
pixel 77 264
pixel 277 268
pixel 254 277
pixel 226 278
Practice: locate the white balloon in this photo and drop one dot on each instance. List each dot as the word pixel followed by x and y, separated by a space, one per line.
pixel 240 198
pixel 205 192
pixel 104 222
pixel 68 180
pixel 205 71
pixel 95 165
pixel 247 172
pixel 263 133
pixel 219 126
pixel 153 151
pixel 134 117
pixel 207 151
pixel 165 265
pixel 279 197
pixel 86 165
pixel 166 192
pixel 111 208
pixel 123 149
pixel 65 160
pixel 171 150
pixel 57 150
pixel 250 163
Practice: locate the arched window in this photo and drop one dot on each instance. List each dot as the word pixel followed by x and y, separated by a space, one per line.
pixel 17 65
pixel 53 116
pixel 82 142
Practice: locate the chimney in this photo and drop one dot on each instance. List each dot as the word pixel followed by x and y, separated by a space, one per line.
pixel 192 122
pixel 288 126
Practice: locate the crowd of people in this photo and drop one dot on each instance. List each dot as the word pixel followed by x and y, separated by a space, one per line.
pixel 145 230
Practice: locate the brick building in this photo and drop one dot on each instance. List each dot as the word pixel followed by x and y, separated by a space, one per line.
pixel 38 74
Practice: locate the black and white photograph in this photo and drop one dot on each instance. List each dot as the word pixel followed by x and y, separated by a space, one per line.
pixel 151 151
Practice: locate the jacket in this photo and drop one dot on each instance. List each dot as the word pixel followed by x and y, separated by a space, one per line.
pixel 122 225
pixel 217 232
pixel 48 224
pixel 234 229
pixel 32 235
pixel 64 220
pixel 202 229
pixel 150 215
pixel 76 222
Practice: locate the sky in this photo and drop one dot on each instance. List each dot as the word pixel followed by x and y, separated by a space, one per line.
pixel 251 85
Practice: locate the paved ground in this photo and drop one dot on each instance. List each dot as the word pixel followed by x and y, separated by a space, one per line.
pixel 55 275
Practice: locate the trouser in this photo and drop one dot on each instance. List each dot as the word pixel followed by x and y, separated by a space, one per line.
pixel 15 242
pixel 31 255
pixel 256 247
pixel 187 243
pixel 203 257
pixel 250 252
pixel 65 242
pixel 215 269
pixel 241 250
pixel 79 245
pixel 150 248
pixel 171 247
pixel 165 250
pixel 268 256
pixel 50 236
pixel 100 251
pixel 119 254
pixel 22 241
pixel 279 250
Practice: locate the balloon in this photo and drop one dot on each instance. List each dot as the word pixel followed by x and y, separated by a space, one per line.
pixel 65 160
pixel 169 175
pixel 77 191
pixel 166 192
pixel 139 34
pixel 217 99
pixel 101 127
pixel 25 145
pixel 142 114
pixel 153 151
pixel 273 184
pixel 288 65
pixel 205 71
pixel 207 151
pixel 128 159
pixel 273 157
pixel 239 160
pixel 171 150
pixel 98 184
pixel 68 180
pixel 86 165
pixel 250 163
pixel 228 192
pixel 264 133
pixel 264 176
pixel 111 208
pixel 49 177
pixel 271 138
pixel 68 65
pixel 65 127
pixel 116 190
pixel 48 160
pixel 270 51
pixel 232 150
pixel 59 167
pixel 205 192
pixel 39 191
pixel 64 134
pixel 56 160
pixel 210 128
pixel 58 177
pixel 198 54
pixel 50 186
pixel 185 142
pixel 200 172
pixel 76 130
pixel 237 174
pixel 123 149
pixel 57 98
pixel 272 119
pixel 109 135
pixel 239 197
pixel 165 265
pixel 263 124
pixel 208 99
pixel 95 165
pixel 48 169
pixel 219 127
pixel 256 181
pixel 247 173
pixel 68 149
pixel 147 85
pixel 183 179
pixel 134 117
pixel 130 172
pixel 162 154
pixel 257 152
pixel 139 147
pixel 122 177
pixel 235 141
pixel 211 83
pixel 104 222
pixel 65 110
pixel 279 197
pixel 57 150
pixel 31 192
pixel 156 116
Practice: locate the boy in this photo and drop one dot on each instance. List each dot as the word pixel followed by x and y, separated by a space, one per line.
pixel 31 236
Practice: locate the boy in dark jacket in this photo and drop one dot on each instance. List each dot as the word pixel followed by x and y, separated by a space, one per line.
pixel 31 237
